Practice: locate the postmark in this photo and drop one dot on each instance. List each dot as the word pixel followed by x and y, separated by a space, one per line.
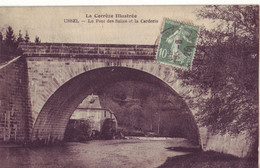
pixel 177 44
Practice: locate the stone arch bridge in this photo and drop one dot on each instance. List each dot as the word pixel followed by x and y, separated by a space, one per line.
pixel 41 89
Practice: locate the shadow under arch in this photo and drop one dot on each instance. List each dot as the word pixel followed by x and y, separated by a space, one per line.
pixel 52 120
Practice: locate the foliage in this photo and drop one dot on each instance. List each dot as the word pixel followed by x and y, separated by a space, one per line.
pixel 9 44
pixel 10 37
pixel 77 131
pixel 142 108
pixel 37 40
pixel 26 38
pixel 226 68
pixel 20 37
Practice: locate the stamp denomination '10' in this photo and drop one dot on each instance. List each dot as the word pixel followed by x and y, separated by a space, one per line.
pixel 177 44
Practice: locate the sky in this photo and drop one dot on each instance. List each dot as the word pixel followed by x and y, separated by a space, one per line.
pixel 49 23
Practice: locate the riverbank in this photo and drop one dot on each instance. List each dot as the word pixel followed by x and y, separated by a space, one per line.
pixel 209 159
pixel 11 145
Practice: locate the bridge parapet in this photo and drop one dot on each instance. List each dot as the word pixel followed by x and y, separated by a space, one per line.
pixel 88 50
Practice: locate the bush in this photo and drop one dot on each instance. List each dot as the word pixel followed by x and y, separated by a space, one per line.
pixel 77 131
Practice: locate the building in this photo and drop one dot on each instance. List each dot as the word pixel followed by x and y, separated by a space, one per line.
pixel 90 109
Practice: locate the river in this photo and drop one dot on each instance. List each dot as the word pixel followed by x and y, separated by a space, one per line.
pixel 97 154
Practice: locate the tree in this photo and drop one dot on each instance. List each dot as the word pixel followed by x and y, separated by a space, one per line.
pixel 1 37
pixel 225 68
pixel 20 37
pixel 26 38
pixel 1 47
pixel 10 37
pixel 37 40
pixel 9 45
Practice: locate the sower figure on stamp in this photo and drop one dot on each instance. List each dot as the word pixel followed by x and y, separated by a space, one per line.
pixel 175 39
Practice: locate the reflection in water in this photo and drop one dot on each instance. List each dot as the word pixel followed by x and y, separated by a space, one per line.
pixel 112 153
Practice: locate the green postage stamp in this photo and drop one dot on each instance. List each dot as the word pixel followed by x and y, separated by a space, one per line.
pixel 177 44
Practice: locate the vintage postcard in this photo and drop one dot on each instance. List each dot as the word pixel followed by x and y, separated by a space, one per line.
pixel 129 86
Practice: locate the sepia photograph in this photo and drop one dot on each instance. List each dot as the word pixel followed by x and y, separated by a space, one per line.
pixel 168 86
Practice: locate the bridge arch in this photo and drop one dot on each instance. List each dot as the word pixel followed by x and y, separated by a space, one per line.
pixel 51 122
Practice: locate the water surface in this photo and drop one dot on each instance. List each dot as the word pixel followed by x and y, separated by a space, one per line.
pixel 97 154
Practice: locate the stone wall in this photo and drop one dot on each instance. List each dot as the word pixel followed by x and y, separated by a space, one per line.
pixel 240 145
pixel 15 116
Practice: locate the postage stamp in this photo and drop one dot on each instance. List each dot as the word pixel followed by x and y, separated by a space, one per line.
pixel 177 44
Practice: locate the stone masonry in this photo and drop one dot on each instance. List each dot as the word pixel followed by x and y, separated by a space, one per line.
pixel 49 79
pixel 15 114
